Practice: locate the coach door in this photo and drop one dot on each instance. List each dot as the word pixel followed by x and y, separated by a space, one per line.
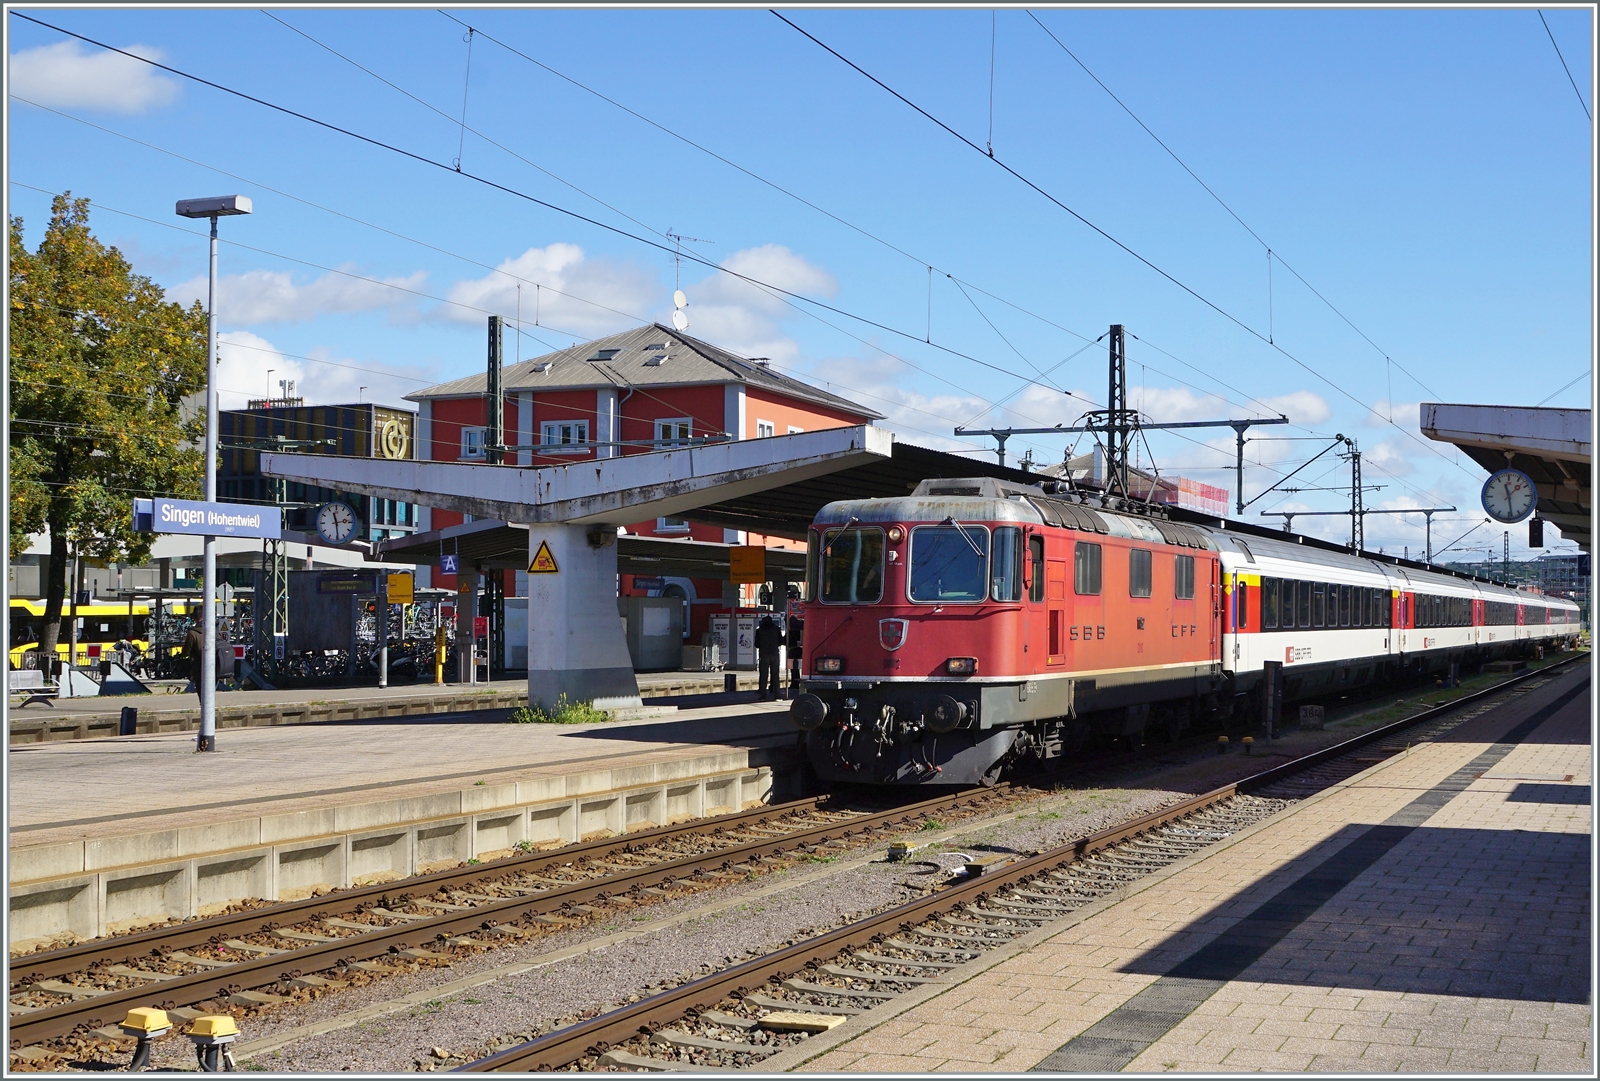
pixel 1055 602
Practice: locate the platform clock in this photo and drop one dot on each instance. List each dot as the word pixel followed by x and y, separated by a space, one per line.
pixel 1509 496
pixel 336 522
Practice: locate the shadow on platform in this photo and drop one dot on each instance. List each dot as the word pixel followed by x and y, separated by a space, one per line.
pixel 1468 912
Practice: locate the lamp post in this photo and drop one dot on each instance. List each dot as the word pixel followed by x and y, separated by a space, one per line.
pixel 219 206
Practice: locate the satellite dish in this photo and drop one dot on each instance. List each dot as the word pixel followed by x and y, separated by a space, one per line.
pixel 680 300
pixel 680 320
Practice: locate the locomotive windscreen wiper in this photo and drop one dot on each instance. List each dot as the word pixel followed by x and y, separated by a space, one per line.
pixel 963 531
pixel 827 549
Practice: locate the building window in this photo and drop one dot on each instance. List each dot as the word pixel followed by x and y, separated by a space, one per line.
pixel 765 429
pixel 472 440
pixel 673 431
pixel 671 525
pixel 1139 572
pixel 564 436
pixel 795 431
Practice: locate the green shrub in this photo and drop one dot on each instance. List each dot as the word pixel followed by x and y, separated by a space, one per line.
pixel 565 712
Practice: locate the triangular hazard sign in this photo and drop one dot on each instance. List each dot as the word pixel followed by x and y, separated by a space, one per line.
pixel 543 561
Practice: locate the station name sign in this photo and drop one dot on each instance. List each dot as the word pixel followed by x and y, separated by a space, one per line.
pixel 199 518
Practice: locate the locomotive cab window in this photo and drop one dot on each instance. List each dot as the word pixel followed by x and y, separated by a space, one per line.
pixel 852 566
pixel 1139 572
pixel 949 564
pixel 1183 577
pixel 1005 574
pixel 1086 569
pixel 1036 558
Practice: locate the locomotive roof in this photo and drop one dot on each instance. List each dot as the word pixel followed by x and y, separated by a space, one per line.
pixel 990 499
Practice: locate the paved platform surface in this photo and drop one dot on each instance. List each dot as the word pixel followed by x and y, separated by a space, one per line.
pixel 1432 916
pixel 74 790
pixel 651 684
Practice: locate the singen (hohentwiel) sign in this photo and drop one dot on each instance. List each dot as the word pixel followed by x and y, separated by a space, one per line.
pixel 197 517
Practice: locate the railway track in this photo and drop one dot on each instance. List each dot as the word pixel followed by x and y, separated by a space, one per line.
pixel 225 959
pixel 741 1017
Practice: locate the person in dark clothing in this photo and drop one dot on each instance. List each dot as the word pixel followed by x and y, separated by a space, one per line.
pixel 796 633
pixel 194 647
pixel 769 639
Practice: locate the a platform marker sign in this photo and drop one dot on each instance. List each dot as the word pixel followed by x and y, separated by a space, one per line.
pixel 544 562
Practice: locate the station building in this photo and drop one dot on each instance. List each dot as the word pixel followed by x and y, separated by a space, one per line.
pixel 646 389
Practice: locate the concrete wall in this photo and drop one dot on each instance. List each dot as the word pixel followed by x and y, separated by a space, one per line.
pixel 79 890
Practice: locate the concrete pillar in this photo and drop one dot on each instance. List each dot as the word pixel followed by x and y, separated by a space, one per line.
pixel 575 641
pixel 466 609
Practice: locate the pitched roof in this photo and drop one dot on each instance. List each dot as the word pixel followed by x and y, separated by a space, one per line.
pixel 647 356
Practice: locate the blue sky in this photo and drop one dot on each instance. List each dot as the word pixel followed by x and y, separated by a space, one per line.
pixel 1428 171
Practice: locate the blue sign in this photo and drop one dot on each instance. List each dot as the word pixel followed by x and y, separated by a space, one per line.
pixel 449 564
pixel 199 518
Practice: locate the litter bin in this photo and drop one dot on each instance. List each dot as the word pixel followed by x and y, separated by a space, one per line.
pixel 129 725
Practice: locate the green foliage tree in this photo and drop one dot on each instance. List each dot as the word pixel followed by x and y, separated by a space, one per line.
pixel 100 365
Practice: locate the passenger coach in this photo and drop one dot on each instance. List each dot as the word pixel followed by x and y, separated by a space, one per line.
pixel 977 622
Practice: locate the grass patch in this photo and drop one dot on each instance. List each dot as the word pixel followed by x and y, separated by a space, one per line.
pixel 932 825
pixel 565 711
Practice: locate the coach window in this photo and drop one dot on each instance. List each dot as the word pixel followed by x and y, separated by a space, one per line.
pixel 1241 606
pixel 1183 577
pixel 1319 605
pixel 1304 620
pixel 1361 599
pixel 1036 557
pixel 1086 569
pixel 1138 572
pixel 1269 604
pixel 1344 606
pixel 1005 574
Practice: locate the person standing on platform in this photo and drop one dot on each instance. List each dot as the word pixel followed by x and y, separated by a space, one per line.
pixel 796 634
pixel 769 639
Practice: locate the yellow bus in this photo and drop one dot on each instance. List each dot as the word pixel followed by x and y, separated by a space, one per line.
pixel 103 624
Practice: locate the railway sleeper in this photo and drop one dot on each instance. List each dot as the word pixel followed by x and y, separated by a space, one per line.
pixel 875 977
pixel 656 1065
pixel 943 951
pixel 842 992
pixel 879 959
pixel 668 1038
pixel 767 1002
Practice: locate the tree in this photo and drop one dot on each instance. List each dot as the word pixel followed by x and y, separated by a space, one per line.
pixel 100 366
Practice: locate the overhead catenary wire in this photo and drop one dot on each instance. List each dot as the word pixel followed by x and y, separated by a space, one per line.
pixel 423 159
pixel 1229 316
pixel 1581 103
pixel 538 286
pixel 1271 254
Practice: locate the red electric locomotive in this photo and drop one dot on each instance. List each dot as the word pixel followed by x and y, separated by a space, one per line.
pixel 976 622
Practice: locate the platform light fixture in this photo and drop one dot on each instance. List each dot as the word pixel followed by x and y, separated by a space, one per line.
pixel 212 207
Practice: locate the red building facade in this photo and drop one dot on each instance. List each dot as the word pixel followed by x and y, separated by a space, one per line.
pixel 637 392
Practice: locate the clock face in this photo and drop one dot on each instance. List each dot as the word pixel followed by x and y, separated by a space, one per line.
pixel 336 522
pixel 1509 496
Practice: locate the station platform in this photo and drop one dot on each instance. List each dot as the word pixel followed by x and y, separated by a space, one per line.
pixel 1430 915
pixel 108 834
pixel 96 717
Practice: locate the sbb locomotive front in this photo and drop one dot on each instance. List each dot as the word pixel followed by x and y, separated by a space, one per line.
pixel 978 622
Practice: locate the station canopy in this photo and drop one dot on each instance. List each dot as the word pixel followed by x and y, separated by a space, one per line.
pixel 785 510
pixel 1552 446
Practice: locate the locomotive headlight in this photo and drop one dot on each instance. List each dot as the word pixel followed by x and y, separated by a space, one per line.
pixel 962 666
pixel 896 534
pixel 832 665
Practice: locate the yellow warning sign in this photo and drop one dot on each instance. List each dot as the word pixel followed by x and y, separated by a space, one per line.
pixel 543 561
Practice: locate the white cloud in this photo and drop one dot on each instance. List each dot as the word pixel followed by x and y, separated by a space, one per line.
pixel 1300 406
pixel 70 75
pixel 610 292
pixel 273 296
pixel 250 366
pixel 746 318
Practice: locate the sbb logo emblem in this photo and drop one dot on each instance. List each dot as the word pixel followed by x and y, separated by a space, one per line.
pixel 892 633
